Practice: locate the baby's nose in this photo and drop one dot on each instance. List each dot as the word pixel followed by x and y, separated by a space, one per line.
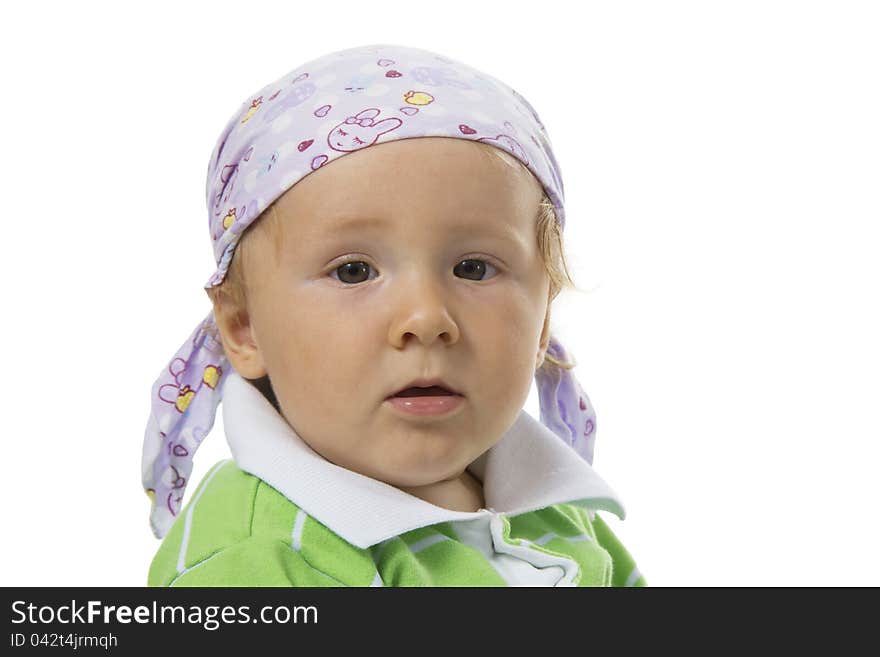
pixel 424 313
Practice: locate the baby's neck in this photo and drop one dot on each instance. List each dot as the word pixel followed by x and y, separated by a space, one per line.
pixel 462 493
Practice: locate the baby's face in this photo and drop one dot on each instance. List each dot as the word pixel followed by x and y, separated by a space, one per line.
pixel 443 279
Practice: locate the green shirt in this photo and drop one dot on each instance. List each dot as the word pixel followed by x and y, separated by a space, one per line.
pixel 239 531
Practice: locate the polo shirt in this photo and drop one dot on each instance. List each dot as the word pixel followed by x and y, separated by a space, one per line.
pixel 280 514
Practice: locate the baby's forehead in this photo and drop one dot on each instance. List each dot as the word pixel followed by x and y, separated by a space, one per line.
pixel 446 165
pixel 479 183
pixel 413 187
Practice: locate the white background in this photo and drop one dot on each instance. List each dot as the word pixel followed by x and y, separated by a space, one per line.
pixel 721 163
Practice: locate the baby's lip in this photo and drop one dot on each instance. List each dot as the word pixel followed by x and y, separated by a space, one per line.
pixel 426 383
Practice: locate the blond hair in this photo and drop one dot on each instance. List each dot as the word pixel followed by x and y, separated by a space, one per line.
pixel 268 226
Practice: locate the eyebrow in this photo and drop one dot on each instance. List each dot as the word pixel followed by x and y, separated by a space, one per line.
pixel 346 222
pixel 377 223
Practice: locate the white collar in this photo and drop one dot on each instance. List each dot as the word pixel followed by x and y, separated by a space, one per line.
pixel 529 468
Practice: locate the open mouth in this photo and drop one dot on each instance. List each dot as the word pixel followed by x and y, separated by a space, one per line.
pixel 426 402
pixel 430 391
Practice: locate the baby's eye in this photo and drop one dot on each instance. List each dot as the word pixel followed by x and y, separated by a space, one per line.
pixel 343 132
pixel 472 267
pixel 352 270
pixel 359 141
pixel 355 271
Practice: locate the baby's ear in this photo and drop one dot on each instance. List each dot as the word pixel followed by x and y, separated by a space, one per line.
pixel 237 337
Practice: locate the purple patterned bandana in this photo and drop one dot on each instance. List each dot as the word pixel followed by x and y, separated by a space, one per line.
pixel 333 105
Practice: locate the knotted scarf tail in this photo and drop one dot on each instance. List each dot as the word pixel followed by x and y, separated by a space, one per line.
pixel 565 408
pixel 184 403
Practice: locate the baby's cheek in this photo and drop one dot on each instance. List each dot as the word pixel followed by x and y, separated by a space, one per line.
pixel 510 325
pixel 507 353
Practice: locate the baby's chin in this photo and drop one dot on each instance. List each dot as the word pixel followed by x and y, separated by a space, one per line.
pixel 416 475
pixel 402 459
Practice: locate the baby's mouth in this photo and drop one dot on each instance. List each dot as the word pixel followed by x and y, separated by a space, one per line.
pixel 430 391
pixel 426 403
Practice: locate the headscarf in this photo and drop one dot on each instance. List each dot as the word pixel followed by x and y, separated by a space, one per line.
pixel 334 105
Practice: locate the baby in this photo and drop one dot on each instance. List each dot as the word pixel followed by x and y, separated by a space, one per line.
pixel 396 219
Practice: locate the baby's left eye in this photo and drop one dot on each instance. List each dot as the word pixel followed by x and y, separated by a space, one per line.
pixel 352 269
pixel 472 267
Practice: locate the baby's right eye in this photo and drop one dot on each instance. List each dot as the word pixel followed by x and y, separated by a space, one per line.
pixel 351 270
